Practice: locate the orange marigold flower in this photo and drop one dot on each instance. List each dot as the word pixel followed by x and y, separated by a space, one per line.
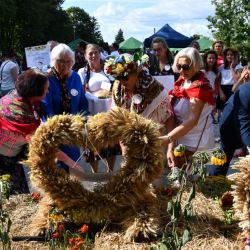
pixel 76 243
pixel 71 241
pixel 84 229
pixel 55 235
pixel 35 196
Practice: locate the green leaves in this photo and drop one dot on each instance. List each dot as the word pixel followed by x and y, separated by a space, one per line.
pixel 231 23
pixel 187 236
pixel 174 209
pixel 191 194
pixel 119 37
pixel 5 222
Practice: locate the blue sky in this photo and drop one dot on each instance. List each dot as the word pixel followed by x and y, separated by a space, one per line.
pixel 139 18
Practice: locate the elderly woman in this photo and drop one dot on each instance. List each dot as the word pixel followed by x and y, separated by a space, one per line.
pixel 192 100
pixel 66 94
pixel 20 115
pixel 137 91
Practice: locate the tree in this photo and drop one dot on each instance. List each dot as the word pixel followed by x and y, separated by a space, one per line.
pixel 196 37
pixel 231 24
pixel 86 27
pixel 119 37
pixel 25 23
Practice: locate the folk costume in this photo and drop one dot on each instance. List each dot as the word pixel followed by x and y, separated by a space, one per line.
pixel 18 119
pixel 200 137
pixel 150 99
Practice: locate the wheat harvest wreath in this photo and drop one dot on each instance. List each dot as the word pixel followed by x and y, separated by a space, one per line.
pixel 127 198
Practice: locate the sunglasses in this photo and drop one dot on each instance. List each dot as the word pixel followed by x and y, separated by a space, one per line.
pixel 185 67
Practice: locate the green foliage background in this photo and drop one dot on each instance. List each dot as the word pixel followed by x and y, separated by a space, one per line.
pixel 25 23
pixel 119 37
pixel 231 24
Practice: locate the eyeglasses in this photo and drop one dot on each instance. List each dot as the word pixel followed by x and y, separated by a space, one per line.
pixel 185 67
pixel 64 62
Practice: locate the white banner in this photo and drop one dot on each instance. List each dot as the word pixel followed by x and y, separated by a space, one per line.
pixel 37 56
pixel 167 81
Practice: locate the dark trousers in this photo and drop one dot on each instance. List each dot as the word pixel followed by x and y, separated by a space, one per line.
pixel 222 170
pixel 230 141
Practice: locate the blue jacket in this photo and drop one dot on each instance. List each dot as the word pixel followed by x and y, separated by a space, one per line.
pixel 79 104
pixel 235 120
pixel 52 101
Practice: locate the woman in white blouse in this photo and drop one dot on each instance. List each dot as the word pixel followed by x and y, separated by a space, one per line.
pixel 92 76
pixel 97 86
pixel 230 73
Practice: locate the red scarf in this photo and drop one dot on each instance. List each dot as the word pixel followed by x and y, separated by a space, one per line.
pixel 17 114
pixel 200 88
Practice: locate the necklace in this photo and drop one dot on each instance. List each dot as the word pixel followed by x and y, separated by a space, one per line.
pixel 35 113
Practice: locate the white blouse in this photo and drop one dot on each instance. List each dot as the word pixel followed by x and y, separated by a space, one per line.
pixel 191 139
pixel 95 79
pixel 227 76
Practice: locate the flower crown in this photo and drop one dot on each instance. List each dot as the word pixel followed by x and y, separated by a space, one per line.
pixel 121 66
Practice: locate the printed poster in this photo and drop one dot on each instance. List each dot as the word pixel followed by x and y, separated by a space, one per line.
pixel 167 81
pixel 37 56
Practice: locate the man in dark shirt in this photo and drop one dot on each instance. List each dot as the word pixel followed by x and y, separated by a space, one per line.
pixel 234 126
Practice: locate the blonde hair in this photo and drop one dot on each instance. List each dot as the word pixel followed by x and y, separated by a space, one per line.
pixel 193 55
pixel 92 46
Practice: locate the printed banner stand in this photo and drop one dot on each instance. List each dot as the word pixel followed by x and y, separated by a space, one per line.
pixel 37 56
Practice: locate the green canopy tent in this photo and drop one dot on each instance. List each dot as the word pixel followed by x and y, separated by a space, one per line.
pixel 205 44
pixel 131 44
pixel 74 43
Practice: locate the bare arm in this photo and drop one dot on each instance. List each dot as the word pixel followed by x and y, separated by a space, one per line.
pixel 244 76
pixel 170 125
pixel 235 73
pixel 222 96
pixel 61 156
pixel 14 73
pixel 196 107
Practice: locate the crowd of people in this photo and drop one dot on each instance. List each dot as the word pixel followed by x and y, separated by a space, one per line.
pixel 206 88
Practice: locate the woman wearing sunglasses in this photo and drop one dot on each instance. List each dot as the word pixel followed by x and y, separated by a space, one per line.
pixel 192 101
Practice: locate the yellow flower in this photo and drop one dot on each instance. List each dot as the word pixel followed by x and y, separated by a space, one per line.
pixel 179 151
pixel 5 177
pixel 218 157
pixel 119 68
pixel 56 217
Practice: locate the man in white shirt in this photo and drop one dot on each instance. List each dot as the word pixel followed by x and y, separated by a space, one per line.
pixel 8 73
pixel 114 50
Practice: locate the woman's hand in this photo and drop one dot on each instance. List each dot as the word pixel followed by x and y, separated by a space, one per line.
pixel 232 65
pixel 61 156
pixel 170 159
pixel 222 96
pixel 166 140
